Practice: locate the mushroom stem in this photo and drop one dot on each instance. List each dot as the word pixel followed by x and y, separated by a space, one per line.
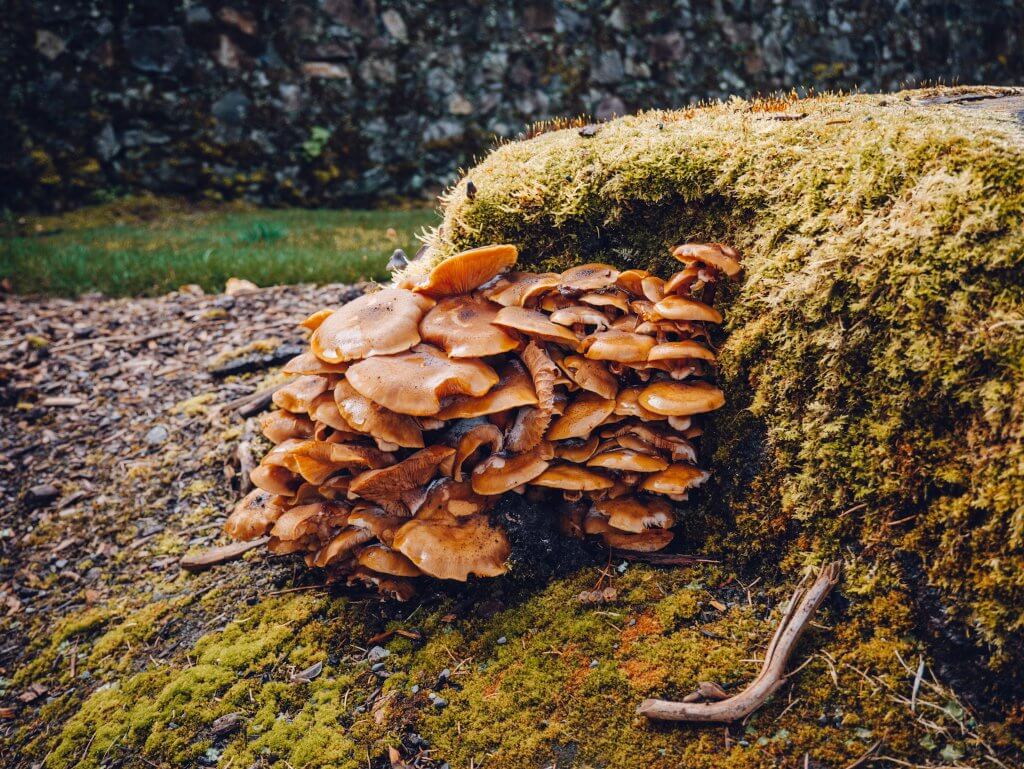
pixel 801 608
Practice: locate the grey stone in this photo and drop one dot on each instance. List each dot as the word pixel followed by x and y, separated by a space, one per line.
pixel 609 107
pixel 157 434
pixel 232 108
pixel 377 653
pixel 48 44
pixel 155 49
pixel 395 25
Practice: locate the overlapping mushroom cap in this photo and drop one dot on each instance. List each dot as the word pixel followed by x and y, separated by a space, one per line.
pixel 418 406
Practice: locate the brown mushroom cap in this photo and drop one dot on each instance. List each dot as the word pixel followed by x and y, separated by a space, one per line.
pixel 280 425
pixel 382 323
pixel 503 472
pixel 384 560
pixel 615 299
pixel 253 516
pixel 298 395
pixel 514 389
pixel 627 404
pixel 632 281
pixel 517 289
pixel 581 417
pixel 590 375
pixel 616 345
pixel 454 548
pixel 682 281
pixel 577 450
pixel 680 351
pixel 721 257
pixel 365 416
pixel 680 399
pixel 675 307
pixel 588 277
pixel 314 321
pixel 462 326
pixel 572 478
pixel 579 314
pixel 636 516
pixel 303 520
pixel 316 460
pixel 380 523
pixel 275 479
pixel 535 325
pixel 463 272
pixel 308 363
pixel 414 382
pixel 676 479
pixel 466 436
pixel 446 497
pixel 653 288
pixel 340 545
pixel 647 542
pixel 390 482
pixel 628 460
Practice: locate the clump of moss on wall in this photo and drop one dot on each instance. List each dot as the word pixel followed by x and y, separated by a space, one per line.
pixel 875 356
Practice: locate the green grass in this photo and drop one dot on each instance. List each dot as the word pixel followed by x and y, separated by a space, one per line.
pixel 146 247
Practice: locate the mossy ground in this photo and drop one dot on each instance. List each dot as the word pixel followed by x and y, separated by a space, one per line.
pixel 874 372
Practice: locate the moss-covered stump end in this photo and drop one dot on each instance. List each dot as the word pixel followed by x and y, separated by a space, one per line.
pixel 875 357
pixel 874 370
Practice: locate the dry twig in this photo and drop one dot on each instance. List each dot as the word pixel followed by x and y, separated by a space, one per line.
pixel 800 610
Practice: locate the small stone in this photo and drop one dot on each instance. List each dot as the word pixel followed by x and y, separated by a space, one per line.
pixel 377 653
pixel 49 44
pixel 593 664
pixel 395 25
pixel 377 666
pixel 502 641
pixel 439 702
pixel 442 678
pixel 42 494
pixel 157 434
pixel 415 689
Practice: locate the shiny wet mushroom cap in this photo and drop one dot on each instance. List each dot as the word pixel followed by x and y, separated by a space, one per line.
pixel 381 323
pixel 588 277
pixel 535 325
pixel 455 548
pixel 500 473
pixel 675 307
pixel 718 256
pixel 679 399
pixel 384 425
pixel 414 382
pixel 634 515
pixel 513 389
pixel 462 326
pixel 465 271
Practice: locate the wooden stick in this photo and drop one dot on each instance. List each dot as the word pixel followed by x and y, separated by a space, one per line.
pixel 795 619
pixel 218 555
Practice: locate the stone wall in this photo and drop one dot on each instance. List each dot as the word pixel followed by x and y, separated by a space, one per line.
pixel 342 102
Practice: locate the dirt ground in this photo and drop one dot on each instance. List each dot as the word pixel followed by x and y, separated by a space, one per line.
pixel 117 455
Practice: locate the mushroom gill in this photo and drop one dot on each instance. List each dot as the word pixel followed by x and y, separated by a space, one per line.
pixel 418 406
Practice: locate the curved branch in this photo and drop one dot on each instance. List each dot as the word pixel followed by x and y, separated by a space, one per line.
pixel 798 614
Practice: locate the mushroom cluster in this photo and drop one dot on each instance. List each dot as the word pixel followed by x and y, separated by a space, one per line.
pixel 418 406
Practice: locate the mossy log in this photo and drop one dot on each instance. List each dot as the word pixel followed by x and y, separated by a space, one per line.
pixel 875 353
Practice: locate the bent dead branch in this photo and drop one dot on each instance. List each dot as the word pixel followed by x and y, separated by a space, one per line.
pixel 799 611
